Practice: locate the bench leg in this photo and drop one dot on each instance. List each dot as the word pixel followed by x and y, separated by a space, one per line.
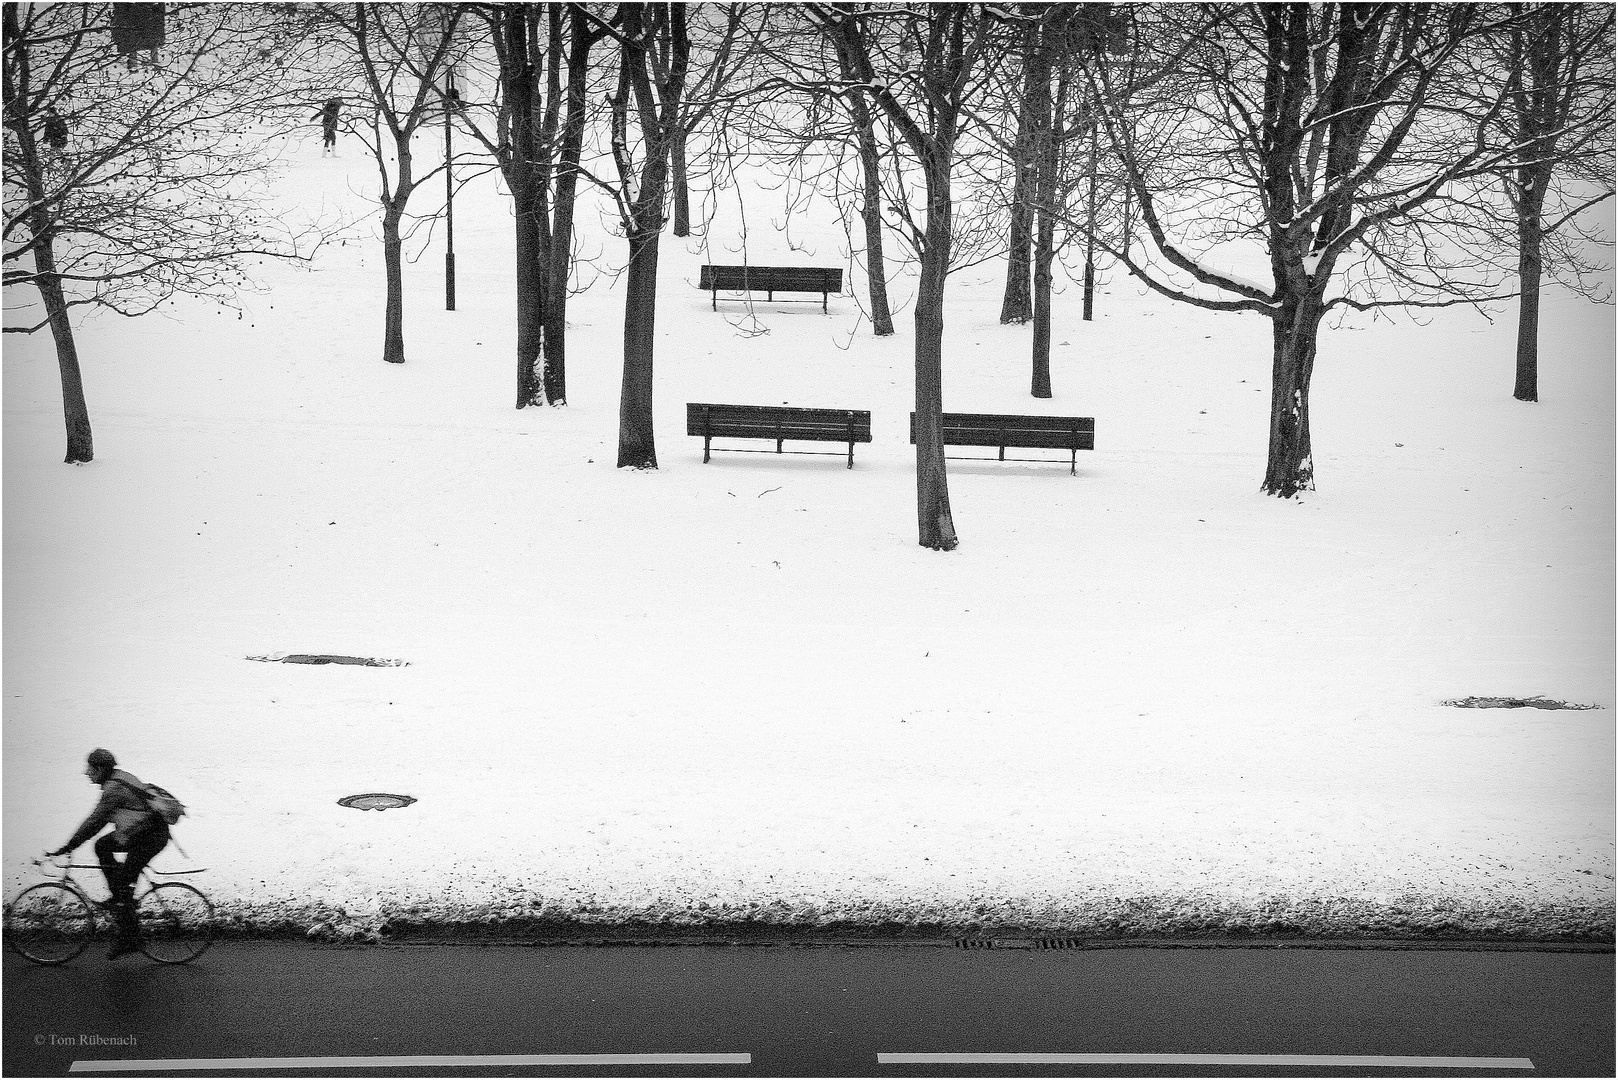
pixel 706 439
pixel 824 310
pixel 1074 471
pixel 716 299
pixel 850 455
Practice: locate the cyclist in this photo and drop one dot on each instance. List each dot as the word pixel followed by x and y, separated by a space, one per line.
pixel 137 830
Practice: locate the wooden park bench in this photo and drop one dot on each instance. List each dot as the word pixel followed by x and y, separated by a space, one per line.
pixel 777 422
pixel 1072 433
pixel 770 280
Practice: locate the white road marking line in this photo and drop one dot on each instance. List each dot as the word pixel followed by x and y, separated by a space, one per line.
pixel 404 1062
pixel 1331 1060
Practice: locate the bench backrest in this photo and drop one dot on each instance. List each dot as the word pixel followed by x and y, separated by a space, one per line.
pixel 820 279
pixel 776 421
pixel 1000 429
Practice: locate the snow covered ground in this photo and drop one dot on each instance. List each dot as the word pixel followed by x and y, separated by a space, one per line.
pixel 1145 699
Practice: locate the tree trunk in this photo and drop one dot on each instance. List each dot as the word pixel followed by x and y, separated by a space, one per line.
pixel 567 182
pixel 1045 130
pixel 1015 306
pixel 1530 268
pixel 530 290
pixel 80 446
pixel 936 523
pixel 1291 467
pixel 521 176
pixel 1090 231
pixel 1043 254
pixel 542 154
pixel 393 350
pixel 876 270
pixel 682 193
pixel 637 446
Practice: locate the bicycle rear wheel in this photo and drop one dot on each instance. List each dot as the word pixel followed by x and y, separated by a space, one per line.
pixel 176 923
pixel 49 923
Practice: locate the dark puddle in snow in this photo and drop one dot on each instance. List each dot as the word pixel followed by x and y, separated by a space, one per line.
pixel 327 658
pixel 1515 703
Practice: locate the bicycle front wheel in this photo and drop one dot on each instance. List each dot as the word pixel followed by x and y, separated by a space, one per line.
pixel 49 923
pixel 176 923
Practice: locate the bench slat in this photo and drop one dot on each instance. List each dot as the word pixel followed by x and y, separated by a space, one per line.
pixel 1029 423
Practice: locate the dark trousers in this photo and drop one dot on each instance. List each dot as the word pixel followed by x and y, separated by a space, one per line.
pixel 121 876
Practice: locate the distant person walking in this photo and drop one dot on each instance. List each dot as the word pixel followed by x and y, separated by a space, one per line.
pixel 137 830
pixel 328 123
pixel 55 131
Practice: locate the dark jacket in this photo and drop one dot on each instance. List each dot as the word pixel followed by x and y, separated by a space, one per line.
pixel 123 805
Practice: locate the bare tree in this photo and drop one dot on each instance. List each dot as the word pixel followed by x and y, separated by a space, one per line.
pixel 814 130
pixel 129 184
pixel 1064 135
pixel 1041 133
pixel 535 131
pixel 870 209
pixel 653 59
pixel 396 55
pixel 1559 119
pixel 916 64
pixel 1054 36
pixel 1323 135
pixel 714 40
pixel 582 37
pixel 1033 127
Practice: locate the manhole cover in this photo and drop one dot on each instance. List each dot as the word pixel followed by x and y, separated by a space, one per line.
pixel 375 801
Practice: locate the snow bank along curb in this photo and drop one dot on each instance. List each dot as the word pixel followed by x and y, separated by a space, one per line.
pixel 1410 918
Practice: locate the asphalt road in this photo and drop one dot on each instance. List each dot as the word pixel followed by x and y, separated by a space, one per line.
pixel 816 1011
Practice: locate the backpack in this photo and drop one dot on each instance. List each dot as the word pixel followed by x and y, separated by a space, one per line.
pixel 159 801
pixel 163 804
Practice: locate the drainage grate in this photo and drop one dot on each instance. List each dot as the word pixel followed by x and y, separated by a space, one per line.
pixel 1059 943
pixel 994 943
pixel 375 801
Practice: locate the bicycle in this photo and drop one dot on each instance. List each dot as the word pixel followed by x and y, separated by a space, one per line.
pixel 54 921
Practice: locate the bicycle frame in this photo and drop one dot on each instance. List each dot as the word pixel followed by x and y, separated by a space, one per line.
pixel 146 873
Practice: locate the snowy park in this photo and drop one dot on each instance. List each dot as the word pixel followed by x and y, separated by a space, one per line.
pixel 1142 698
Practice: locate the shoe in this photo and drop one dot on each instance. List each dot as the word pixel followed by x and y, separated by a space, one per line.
pixel 122 947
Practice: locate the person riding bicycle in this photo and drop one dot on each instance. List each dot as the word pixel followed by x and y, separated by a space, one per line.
pixel 137 830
